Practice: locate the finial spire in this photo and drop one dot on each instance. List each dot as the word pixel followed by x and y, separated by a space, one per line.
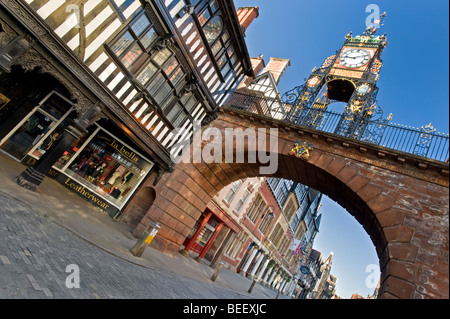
pixel 377 23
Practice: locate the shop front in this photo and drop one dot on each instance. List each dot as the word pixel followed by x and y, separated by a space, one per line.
pixel 202 232
pixel 39 129
pixel 104 167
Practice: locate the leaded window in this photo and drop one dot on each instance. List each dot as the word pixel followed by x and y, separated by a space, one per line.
pixel 131 46
pixel 179 111
pixel 209 17
pixel 276 235
pixel 290 209
pixel 213 29
pixel 242 200
pixel 266 220
pixel 162 76
pixel 236 245
pixel 232 192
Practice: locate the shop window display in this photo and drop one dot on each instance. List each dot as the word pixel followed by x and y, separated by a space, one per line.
pixel 105 165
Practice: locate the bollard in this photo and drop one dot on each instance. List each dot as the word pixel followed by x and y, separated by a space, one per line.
pixel 252 286
pixel 216 272
pixel 145 239
pixel 278 294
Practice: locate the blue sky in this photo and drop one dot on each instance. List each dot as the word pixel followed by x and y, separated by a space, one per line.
pixel 413 85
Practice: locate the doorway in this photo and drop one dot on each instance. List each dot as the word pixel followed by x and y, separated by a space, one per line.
pixel 39 129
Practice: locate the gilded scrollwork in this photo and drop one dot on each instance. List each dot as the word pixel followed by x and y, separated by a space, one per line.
pixel 301 150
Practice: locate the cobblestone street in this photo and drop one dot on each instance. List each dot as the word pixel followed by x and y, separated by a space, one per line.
pixel 34 254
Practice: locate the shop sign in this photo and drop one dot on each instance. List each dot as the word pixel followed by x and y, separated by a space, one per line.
pixel 30 161
pixel 119 147
pixel 87 194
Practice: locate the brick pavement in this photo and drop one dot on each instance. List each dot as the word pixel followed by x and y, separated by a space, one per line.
pixel 35 252
pixel 44 232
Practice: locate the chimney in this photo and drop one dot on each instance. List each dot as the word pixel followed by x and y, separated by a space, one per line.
pixel 257 65
pixel 277 66
pixel 246 16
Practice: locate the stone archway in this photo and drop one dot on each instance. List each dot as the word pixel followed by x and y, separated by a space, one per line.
pixel 400 200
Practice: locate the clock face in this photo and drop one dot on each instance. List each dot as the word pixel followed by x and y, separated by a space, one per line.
pixel 363 89
pixel 354 58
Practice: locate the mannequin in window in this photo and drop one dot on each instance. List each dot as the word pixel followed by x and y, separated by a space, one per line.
pixel 98 171
pixel 114 176
pixel 127 177
pixel 85 166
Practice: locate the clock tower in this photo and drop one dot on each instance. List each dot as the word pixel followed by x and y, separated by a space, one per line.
pixel 349 76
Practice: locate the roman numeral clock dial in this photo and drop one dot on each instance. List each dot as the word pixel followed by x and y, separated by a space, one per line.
pixel 354 58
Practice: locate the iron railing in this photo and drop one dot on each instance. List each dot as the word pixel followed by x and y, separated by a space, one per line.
pixel 423 142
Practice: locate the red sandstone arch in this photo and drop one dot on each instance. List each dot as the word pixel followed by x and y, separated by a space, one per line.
pixel 403 208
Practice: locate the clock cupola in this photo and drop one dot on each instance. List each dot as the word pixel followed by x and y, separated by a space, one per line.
pixel 350 77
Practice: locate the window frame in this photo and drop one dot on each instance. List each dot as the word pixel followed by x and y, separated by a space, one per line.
pixel 170 73
pixel 242 201
pixel 266 222
pixel 256 209
pixel 232 192
pixel 290 208
pixel 224 38
pixel 136 64
pixel 236 245
pixel 276 235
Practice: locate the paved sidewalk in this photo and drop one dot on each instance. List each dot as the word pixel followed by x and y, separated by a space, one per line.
pixel 53 227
